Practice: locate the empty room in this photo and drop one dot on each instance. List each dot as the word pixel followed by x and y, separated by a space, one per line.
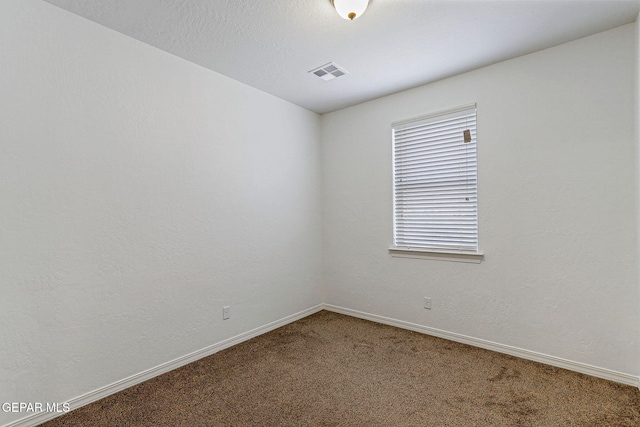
pixel 338 213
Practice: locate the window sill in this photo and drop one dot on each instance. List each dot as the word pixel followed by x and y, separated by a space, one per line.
pixel 475 258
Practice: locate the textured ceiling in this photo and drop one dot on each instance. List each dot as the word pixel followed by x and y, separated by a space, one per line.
pixel 395 45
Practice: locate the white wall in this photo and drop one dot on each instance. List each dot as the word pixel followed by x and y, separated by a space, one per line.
pixel 139 193
pixel 557 207
pixel 637 131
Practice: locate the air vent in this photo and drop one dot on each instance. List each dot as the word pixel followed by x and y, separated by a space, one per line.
pixel 328 71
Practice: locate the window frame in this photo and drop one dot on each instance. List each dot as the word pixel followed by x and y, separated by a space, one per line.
pixel 433 252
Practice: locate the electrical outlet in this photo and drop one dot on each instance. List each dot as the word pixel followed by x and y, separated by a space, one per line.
pixel 226 312
pixel 427 303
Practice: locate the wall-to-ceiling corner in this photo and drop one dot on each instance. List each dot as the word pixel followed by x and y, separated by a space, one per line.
pixel 557 173
pixel 139 194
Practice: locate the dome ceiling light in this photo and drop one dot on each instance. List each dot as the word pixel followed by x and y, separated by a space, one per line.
pixel 350 9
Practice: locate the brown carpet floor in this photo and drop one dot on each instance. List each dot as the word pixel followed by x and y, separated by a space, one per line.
pixel 334 370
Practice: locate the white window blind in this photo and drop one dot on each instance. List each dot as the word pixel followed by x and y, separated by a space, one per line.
pixel 435 182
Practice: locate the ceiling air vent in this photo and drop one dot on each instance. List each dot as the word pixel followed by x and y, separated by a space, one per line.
pixel 328 71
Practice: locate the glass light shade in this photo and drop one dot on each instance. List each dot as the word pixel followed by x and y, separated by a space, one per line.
pixel 350 9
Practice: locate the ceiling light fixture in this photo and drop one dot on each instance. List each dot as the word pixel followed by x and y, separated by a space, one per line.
pixel 350 9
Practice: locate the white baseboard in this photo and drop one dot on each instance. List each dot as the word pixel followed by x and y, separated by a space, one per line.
pixel 38 418
pixel 102 392
pixel 594 371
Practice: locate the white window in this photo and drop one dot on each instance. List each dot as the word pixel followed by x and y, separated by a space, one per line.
pixel 435 183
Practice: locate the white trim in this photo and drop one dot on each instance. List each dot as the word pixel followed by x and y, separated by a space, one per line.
pixel 434 115
pixel 559 362
pixel 102 392
pixel 439 255
pixel 39 418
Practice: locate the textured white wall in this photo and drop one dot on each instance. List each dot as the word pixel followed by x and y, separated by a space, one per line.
pixel 139 193
pixel 557 206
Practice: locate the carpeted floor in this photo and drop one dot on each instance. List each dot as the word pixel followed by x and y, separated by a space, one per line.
pixel 334 370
